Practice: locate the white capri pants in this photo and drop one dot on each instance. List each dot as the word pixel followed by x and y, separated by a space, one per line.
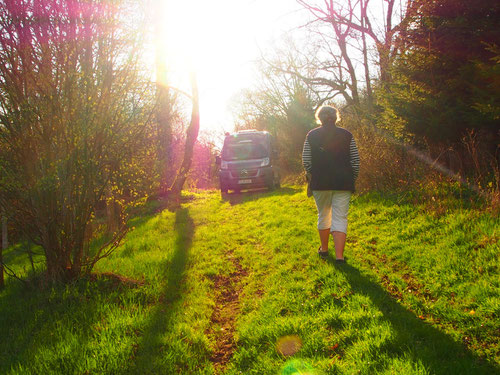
pixel 332 206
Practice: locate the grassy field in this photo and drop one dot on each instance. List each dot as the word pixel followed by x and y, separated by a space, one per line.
pixel 233 285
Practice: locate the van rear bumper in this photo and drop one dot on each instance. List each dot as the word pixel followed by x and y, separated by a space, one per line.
pixel 240 179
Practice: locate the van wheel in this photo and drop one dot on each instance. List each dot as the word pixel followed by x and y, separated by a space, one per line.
pixel 223 189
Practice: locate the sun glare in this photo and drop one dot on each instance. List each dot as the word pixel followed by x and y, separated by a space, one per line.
pixel 206 38
pixel 218 40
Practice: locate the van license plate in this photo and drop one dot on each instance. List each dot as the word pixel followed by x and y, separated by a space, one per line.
pixel 244 181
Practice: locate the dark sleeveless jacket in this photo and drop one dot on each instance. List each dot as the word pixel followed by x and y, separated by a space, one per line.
pixel 331 163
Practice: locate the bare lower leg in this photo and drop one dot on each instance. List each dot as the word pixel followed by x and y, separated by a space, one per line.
pixel 339 241
pixel 324 235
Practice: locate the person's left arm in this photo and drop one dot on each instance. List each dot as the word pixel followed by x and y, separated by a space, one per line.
pixel 354 157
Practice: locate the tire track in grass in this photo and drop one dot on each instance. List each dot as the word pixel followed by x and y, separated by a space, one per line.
pixel 227 308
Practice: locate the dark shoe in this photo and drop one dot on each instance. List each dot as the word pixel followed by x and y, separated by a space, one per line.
pixel 322 254
pixel 340 261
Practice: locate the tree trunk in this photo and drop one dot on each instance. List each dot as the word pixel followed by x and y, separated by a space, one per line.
pixel 191 137
pixel 164 131
pixel 385 65
pixel 57 259
pixel 342 43
pixel 5 238
pixel 163 101
pixel 369 94
pixel 5 243
pixel 113 213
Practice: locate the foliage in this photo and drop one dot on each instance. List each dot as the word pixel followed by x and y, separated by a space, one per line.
pixel 204 171
pixel 419 294
pixel 73 111
pixel 386 164
pixel 445 95
pixel 446 79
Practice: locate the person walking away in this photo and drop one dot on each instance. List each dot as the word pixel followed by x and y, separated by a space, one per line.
pixel 331 160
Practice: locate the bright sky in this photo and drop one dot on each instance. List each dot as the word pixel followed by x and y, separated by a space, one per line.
pixel 220 39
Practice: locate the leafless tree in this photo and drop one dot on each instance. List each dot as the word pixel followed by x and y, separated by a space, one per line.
pixel 191 137
pixel 345 39
pixel 357 15
pixel 318 64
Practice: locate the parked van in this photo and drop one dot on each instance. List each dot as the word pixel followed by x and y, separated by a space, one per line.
pixel 248 160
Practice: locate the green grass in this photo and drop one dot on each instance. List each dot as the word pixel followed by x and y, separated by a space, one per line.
pixel 419 295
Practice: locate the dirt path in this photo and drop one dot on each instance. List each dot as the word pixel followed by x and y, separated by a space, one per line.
pixel 223 319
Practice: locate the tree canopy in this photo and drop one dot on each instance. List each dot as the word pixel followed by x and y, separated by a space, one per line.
pixel 447 79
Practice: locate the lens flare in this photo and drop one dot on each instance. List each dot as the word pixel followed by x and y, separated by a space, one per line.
pixel 298 367
pixel 289 345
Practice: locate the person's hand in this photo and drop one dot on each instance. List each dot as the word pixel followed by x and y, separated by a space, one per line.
pixel 308 179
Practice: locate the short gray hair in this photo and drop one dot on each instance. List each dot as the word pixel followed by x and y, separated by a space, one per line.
pixel 326 114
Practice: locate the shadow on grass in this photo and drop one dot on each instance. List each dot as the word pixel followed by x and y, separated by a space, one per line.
pixel 414 338
pixel 33 321
pixel 235 198
pixel 150 350
pixel 37 322
pixel 18 254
